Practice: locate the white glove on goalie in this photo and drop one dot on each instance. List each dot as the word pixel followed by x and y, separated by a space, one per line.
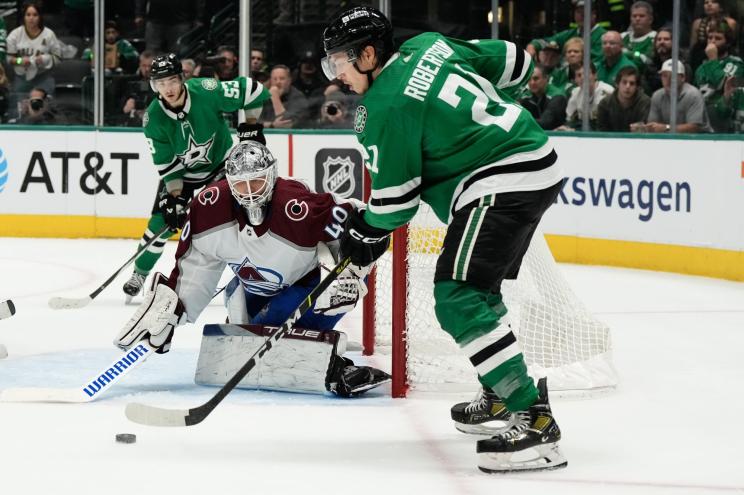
pixel 343 293
pixel 156 318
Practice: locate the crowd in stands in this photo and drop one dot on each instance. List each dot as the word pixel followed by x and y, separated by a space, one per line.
pixel 46 70
pixel 632 75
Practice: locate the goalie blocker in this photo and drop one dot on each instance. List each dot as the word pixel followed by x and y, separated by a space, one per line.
pixel 308 361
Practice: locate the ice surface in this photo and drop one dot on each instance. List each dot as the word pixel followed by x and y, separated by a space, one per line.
pixel 672 427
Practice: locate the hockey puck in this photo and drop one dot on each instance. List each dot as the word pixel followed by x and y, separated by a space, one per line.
pixel 126 437
pixel 3 351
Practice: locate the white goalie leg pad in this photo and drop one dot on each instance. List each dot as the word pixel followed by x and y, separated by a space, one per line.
pixel 299 362
pixel 234 299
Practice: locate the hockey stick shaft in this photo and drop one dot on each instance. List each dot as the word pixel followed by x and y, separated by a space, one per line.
pixel 154 416
pixel 64 303
pixel 92 389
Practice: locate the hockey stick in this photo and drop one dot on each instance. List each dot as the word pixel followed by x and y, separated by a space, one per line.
pixel 7 309
pixel 92 389
pixel 75 303
pixel 156 416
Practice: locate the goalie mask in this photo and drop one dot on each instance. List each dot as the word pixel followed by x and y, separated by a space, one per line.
pixel 251 172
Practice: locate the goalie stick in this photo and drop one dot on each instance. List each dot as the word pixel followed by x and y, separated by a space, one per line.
pixel 7 309
pixel 80 302
pixel 92 389
pixel 156 416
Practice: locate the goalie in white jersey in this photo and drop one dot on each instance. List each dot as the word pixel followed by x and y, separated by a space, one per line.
pixel 267 230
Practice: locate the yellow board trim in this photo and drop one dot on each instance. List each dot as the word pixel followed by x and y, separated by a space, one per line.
pixel 708 262
pixel 72 226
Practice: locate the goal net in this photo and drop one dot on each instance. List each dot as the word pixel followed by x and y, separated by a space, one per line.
pixel 559 337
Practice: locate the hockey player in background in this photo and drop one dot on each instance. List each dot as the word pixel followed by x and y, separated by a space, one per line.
pixel 439 124
pixel 267 231
pixel 189 141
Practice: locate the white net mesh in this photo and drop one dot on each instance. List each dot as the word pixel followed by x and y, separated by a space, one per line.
pixel 559 337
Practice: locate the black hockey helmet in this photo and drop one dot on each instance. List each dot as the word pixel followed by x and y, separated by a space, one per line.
pixel 164 66
pixel 355 28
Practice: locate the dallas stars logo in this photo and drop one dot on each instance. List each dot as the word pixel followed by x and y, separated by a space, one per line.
pixel 196 153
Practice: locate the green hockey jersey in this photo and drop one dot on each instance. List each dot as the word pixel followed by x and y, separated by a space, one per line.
pixel 640 50
pixel 190 145
pixel 440 124
pixel 710 76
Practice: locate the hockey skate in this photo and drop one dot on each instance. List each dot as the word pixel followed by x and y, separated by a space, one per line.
pixel 348 380
pixel 133 286
pixel 486 414
pixel 530 445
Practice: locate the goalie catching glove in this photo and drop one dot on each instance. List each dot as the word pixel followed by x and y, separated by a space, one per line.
pixel 174 210
pixel 344 293
pixel 362 242
pixel 156 318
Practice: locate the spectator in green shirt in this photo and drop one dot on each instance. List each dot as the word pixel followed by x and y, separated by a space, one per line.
pixel 560 38
pixel 613 58
pixel 638 40
pixel 711 75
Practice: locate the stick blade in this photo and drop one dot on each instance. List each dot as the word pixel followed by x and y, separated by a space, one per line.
pixel 69 302
pixel 155 416
pixel 29 394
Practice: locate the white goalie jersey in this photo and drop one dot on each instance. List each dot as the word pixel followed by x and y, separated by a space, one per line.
pixel 265 258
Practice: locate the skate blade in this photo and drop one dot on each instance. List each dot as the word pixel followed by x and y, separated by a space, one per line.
pixel 540 458
pixel 490 428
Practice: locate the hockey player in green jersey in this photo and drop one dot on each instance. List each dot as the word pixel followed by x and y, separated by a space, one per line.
pixel 189 141
pixel 438 123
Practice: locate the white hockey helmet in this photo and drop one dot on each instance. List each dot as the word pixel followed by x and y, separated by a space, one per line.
pixel 251 172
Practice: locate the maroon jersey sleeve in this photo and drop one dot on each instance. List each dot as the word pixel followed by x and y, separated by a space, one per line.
pixel 305 217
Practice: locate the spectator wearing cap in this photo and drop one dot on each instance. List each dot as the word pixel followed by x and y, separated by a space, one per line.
pixel 691 114
pixel 560 38
pixel 613 58
pixel 546 103
pixel 598 90
pixel 288 107
pixel 710 75
pixel 120 55
pixel 167 20
pixel 638 40
pixel 573 58
pixel 550 57
pixel 627 107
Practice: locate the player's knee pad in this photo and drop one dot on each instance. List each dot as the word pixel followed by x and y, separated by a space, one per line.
pixel 234 299
pixel 465 311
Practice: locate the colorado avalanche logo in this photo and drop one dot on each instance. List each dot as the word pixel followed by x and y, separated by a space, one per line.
pixel 258 280
pixel 209 196
pixel 338 176
pixel 296 210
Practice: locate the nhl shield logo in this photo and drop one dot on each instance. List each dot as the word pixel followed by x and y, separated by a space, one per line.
pixel 338 176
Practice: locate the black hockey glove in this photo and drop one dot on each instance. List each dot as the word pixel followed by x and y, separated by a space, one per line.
pixel 362 242
pixel 251 132
pixel 174 210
